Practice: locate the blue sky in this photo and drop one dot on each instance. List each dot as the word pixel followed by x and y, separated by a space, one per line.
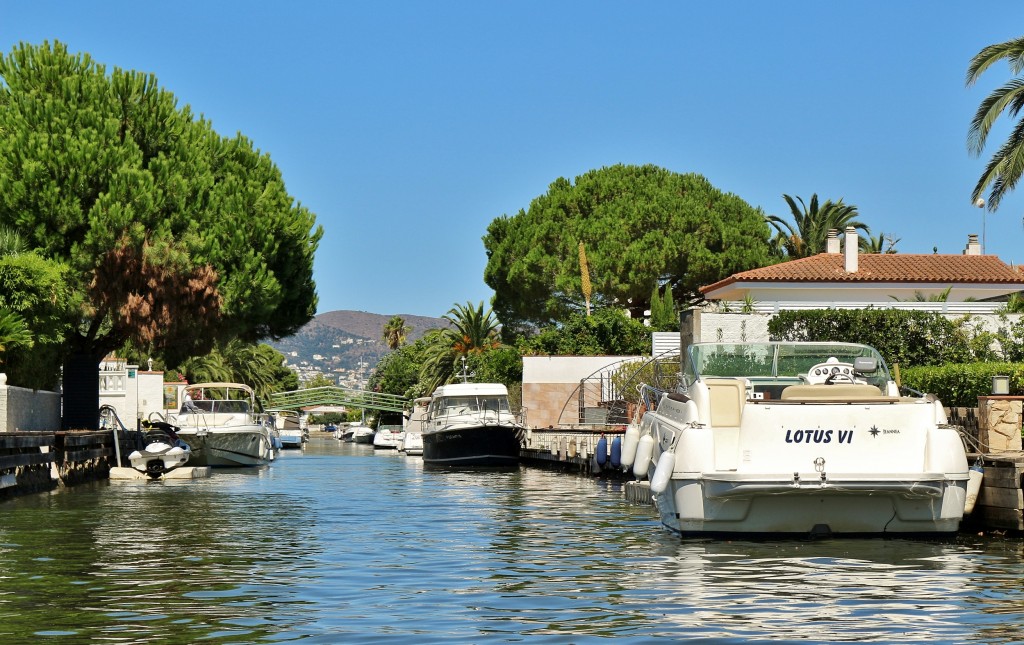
pixel 407 127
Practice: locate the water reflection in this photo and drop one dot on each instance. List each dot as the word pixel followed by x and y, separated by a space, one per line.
pixel 342 544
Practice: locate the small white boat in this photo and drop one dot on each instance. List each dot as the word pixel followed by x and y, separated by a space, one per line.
pixel 163 451
pixel 412 440
pixel 291 428
pixel 798 439
pixel 471 424
pixel 362 434
pixel 220 424
pixel 388 437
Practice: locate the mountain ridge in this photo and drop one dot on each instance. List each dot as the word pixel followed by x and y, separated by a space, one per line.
pixel 346 345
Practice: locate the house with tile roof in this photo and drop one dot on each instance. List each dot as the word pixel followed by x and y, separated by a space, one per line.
pixel 846 278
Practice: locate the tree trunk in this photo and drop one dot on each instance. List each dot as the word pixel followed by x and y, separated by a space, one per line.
pixel 81 391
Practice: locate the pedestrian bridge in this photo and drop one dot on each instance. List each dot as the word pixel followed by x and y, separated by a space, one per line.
pixel 337 395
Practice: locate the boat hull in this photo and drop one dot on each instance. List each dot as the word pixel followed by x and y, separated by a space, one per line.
pixel 910 507
pixel 238 447
pixel 291 441
pixel 477 445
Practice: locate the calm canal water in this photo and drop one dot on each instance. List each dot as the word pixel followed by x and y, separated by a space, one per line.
pixel 337 544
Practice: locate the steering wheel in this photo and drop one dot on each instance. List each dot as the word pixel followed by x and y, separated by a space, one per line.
pixel 830 372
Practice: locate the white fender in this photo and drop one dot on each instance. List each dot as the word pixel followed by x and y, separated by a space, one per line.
pixel 975 475
pixel 644 450
pixel 629 443
pixel 663 472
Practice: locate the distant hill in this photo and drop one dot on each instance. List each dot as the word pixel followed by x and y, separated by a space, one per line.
pixel 346 344
pixel 366 325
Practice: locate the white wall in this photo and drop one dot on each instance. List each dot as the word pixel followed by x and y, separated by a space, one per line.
pixel 135 394
pixel 23 410
pixel 710 327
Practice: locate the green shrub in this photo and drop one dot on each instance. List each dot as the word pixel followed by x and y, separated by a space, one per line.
pixel 960 384
pixel 900 336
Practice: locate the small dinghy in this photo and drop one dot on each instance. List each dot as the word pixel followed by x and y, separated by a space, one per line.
pixel 162 453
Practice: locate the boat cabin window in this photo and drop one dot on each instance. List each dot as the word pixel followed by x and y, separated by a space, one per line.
pixel 465 404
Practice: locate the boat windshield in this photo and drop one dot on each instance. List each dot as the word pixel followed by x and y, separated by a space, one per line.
pixel 469 404
pixel 778 361
pixel 207 405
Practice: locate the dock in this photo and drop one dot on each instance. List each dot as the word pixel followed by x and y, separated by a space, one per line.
pixel 1000 504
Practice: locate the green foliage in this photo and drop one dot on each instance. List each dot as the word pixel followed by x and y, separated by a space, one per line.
pixel 641 225
pixel 472 331
pixel 259 366
pixel 959 384
pixel 319 380
pixel 606 332
pixel 881 243
pixel 664 316
pixel 404 372
pixel 13 332
pixel 175 238
pixel 662 374
pixel 399 371
pixel 1004 170
pixel 905 337
pixel 37 290
pixel 1014 304
pixel 807 234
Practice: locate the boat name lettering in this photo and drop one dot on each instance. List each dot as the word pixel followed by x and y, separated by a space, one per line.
pixel 819 436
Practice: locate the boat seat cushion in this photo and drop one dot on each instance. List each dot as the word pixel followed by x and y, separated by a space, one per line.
pixel 838 391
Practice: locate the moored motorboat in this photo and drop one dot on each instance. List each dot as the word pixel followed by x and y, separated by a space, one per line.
pixel 387 437
pixel 362 434
pixel 222 427
pixel 471 424
pixel 162 452
pixel 291 428
pixel 799 439
pixel 412 438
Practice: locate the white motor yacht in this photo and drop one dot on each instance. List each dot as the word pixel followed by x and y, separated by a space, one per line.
pixel 470 424
pixel 412 440
pixel 388 437
pixel 220 424
pixel 790 438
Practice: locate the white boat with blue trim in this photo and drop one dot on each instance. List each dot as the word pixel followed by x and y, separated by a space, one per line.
pixel 788 438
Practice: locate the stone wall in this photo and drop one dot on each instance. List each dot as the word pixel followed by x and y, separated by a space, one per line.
pixel 999 423
pixel 23 410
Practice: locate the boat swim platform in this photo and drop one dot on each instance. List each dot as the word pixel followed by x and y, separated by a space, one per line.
pixel 122 473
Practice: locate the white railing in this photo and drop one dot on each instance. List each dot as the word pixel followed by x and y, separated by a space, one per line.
pixel 113 382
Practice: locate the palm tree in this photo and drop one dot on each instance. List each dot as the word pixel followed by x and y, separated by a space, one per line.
pixel 881 244
pixel 812 224
pixel 14 331
pixel 394 332
pixel 472 331
pixel 1005 168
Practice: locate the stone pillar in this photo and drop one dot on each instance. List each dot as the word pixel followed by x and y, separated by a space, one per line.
pixel 999 423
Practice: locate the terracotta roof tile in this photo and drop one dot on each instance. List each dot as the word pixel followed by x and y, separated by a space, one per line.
pixel 884 267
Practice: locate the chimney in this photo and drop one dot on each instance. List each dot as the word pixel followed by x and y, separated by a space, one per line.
pixel 832 243
pixel 851 250
pixel 973 248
